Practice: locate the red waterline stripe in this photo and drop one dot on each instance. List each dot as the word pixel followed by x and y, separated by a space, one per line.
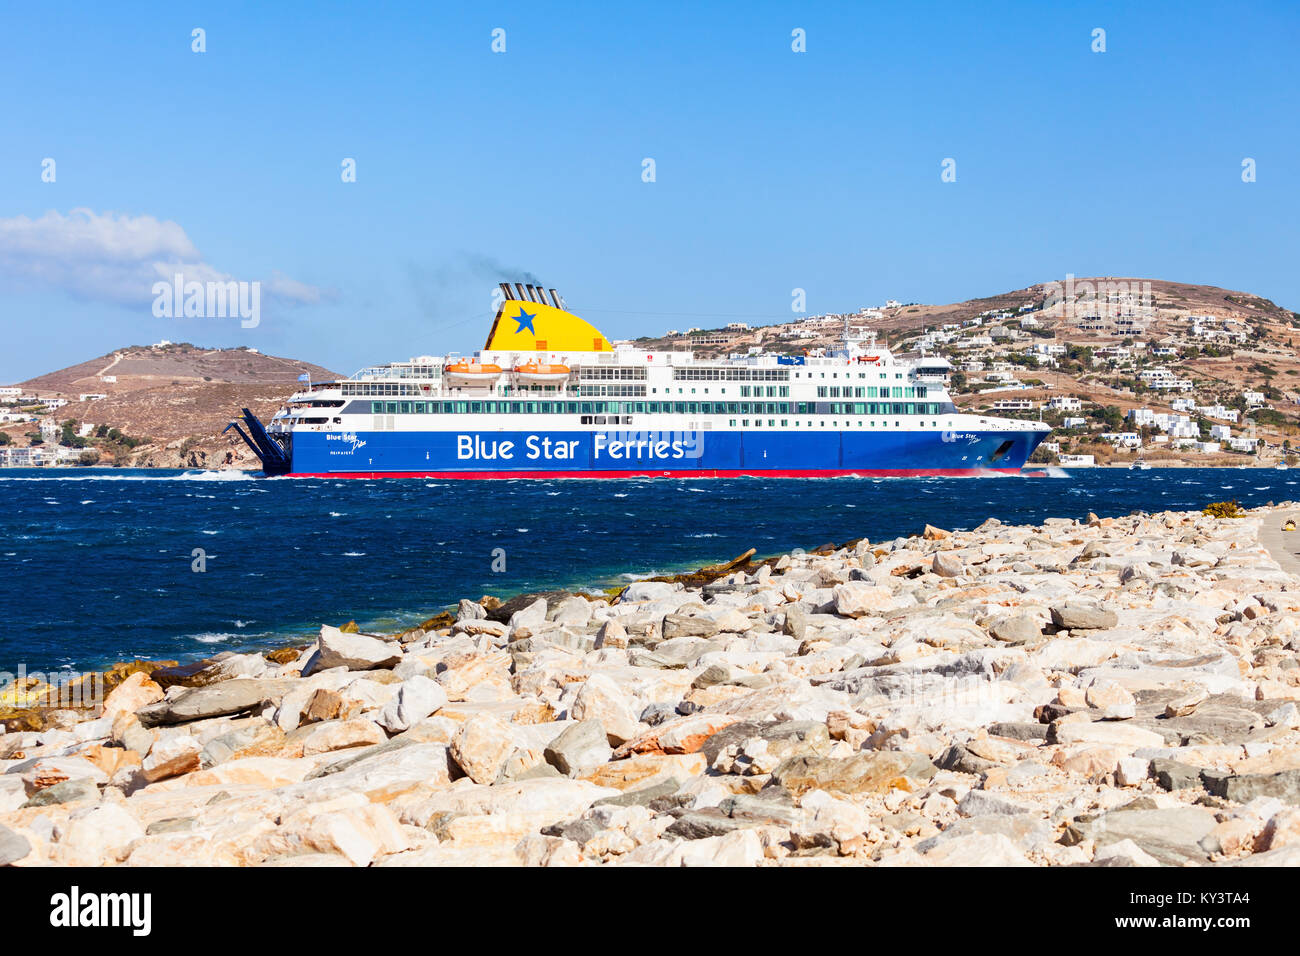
pixel 796 473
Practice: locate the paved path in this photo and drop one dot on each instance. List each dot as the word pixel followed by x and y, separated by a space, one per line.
pixel 1284 546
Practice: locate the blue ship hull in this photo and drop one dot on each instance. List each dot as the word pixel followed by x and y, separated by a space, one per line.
pixel 587 454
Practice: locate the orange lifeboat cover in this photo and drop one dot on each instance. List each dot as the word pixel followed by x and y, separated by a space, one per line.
pixel 473 368
pixel 539 368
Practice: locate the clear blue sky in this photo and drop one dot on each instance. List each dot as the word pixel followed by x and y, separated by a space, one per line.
pixel 775 169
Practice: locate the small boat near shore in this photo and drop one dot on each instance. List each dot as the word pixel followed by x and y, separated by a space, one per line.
pixel 1140 465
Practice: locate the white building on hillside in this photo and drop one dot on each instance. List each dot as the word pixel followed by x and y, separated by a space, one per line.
pixel 1123 439
pixel 1219 412
pixel 1162 379
pixel 1013 405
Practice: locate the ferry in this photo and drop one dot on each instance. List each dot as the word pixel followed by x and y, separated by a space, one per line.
pixel 549 396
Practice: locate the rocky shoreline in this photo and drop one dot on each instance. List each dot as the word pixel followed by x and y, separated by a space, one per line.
pixel 1106 692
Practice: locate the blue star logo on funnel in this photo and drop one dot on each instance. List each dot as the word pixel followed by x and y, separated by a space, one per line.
pixel 525 321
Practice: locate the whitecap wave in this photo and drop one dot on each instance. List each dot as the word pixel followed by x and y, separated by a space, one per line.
pixel 211 637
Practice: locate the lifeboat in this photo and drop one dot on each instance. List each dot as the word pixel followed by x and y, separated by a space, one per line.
pixel 542 373
pixel 473 373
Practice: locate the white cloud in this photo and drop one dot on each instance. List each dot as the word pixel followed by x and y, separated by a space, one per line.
pixel 116 258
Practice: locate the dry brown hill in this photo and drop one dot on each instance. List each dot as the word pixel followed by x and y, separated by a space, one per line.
pixel 142 366
pixel 178 396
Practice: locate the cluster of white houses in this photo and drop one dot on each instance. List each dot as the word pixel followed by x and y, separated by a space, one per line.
pixel 1177 429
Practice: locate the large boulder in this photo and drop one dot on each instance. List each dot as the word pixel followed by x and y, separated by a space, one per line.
pixel 1082 617
pixel 1242 788
pixel 947 565
pixel 481 747
pixel 416 699
pixel 172 757
pixel 858 598
pixel 646 591
pixel 13 846
pixel 356 652
pixel 135 692
pixel 1016 629
pixel 578 748
pixel 1175 836
pixel 868 771
pixel 604 700
pixel 215 700
pixel 684 625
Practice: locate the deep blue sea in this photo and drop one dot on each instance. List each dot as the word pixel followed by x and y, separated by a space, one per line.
pixel 97 566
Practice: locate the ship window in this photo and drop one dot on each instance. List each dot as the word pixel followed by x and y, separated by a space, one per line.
pixel 475 408
pixel 462 408
pixel 600 419
pixel 679 408
pixel 745 423
pixel 732 422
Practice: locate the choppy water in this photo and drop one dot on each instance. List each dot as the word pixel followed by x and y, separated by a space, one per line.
pixel 96 566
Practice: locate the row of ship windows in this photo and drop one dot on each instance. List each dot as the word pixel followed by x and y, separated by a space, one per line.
pixel 731 374
pixel 653 408
pixel 631 373
pixel 872 391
